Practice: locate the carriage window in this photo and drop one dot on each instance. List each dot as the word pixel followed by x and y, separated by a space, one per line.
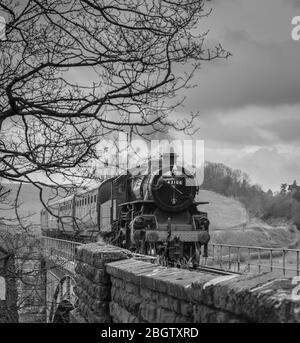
pixel 95 198
pixel 85 201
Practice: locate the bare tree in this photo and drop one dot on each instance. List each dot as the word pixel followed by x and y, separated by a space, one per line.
pixel 74 71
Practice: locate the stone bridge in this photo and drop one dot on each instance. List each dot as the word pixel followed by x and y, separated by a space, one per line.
pixel 22 278
pixel 60 279
pixel 103 284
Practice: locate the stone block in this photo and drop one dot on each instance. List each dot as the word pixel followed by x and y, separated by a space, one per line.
pixel 99 292
pixel 146 293
pixel 93 317
pixel 132 288
pixel 148 312
pixel 118 282
pixel 132 303
pixel 100 308
pixel 186 309
pixel 76 317
pixel 167 302
pixel 98 254
pixel 120 315
pixel 183 320
pixel 165 316
pixel 100 277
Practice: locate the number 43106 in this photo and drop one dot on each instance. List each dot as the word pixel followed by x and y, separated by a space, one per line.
pixel 296 29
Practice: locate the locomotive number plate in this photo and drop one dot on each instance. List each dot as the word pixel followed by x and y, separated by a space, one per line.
pixel 177 181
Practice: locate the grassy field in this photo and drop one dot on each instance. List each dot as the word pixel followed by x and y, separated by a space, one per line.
pixel 223 212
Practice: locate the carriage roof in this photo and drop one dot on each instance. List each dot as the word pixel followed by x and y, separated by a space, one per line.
pixel 80 193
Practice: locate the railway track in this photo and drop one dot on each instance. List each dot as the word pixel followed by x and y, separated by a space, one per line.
pixel 205 269
pixel 216 271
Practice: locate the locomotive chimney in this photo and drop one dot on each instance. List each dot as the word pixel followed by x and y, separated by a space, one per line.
pixel 169 159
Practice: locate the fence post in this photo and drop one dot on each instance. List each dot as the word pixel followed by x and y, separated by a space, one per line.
pixel 283 261
pixel 271 260
pixel 298 263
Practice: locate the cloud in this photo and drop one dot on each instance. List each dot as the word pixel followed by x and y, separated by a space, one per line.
pixel 268 167
pixel 264 69
pixel 252 126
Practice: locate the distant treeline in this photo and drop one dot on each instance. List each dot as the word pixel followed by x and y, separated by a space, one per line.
pixel 265 205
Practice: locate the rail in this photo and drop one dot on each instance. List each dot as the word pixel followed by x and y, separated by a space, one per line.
pixel 253 259
pixel 66 249
pixel 231 258
pixel 59 247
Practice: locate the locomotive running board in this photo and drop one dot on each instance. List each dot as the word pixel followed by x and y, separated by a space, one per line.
pixel 184 236
pixel 137 202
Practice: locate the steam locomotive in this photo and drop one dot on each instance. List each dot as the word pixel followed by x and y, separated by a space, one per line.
pixel 150 209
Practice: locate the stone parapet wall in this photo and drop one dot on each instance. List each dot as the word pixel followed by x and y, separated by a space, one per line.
pixel 113 286
pixel 93 284
pixel 142 292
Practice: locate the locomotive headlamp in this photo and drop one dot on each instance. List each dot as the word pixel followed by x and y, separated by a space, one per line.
pixel 200 223
pixel 152 237
pixel 203 237
pixel 139 223
pixel 139 235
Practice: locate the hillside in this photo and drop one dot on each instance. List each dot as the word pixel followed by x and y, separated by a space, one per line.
pixel 224 212
pixel 231 224
pixel 30 205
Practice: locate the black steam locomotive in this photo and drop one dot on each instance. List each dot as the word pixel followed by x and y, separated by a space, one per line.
pixel 150 209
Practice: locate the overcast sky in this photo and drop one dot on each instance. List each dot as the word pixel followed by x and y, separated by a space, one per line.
pixel 250 105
